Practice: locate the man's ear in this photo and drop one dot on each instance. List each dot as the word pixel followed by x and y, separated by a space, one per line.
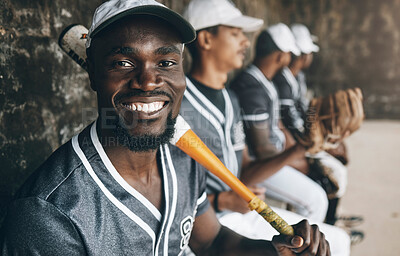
pixel 90 70
pixel 279 57
pixel 204 40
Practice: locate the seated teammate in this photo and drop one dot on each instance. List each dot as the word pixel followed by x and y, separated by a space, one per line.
pixel 214 114
pixel 118 187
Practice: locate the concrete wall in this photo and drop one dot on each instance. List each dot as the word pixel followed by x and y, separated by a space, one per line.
pixel 45 98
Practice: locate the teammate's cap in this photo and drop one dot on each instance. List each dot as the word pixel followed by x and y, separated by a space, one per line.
pixel 283 38
pixel 208 13
pixel 114 10
pixel 304 39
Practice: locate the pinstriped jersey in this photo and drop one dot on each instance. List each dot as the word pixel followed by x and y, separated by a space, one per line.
pixel 289 96
pixel 221 132
pixel 259 102
pixel 76 203
pixel 303 101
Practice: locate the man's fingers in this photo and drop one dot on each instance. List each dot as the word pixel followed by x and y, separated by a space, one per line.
pixel 307 241
pixel 315 242
pixel 297 241
pixel 282 241
pixel 324 248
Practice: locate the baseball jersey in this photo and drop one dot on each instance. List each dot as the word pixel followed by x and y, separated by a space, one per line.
pixel 289 96
pixel 76 203
pixel 303 101
pixel 221 131
pixel 259 102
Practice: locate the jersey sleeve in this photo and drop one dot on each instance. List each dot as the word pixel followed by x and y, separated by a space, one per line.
pixel 291 117
pixel 202 202
pixel 252 98
pixel 35 227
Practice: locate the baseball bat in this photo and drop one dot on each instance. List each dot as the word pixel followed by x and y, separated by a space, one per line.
pixel 72 41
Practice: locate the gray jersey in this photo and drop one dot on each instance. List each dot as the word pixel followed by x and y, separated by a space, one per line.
pixel 289 96
pixel 259 102
pixel 76 203
pixel 222 133
pixel 303 101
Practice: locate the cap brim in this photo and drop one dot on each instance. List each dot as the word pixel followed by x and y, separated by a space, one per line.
pixel 315 48
pixel 309 48
pixel 247 23
pixel 185 29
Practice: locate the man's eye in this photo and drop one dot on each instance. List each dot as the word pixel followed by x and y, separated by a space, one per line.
pixel 166 64
pixel 124 63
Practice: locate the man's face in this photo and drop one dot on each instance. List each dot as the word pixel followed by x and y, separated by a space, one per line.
pixel 308 60
pixel 229 48
pixel 286 58
pixel 136 69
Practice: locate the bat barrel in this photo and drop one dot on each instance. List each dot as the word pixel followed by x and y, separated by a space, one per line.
pixel 194 147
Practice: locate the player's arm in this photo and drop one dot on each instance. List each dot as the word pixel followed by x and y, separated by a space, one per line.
pixel 257 137
pixel 300 164
pixel 258 170
pixel 209 237
pixel 230 200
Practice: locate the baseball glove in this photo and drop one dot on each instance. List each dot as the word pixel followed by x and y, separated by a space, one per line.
pixel 332 118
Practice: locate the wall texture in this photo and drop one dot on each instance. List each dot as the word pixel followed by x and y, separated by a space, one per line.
pixel 360 46
pixel 45 98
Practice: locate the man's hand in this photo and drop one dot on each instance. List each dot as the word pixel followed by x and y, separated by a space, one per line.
pixel 299 151
pixel 308 240
pixel 229 200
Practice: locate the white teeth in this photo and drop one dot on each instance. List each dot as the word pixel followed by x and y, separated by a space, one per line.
pixel 152 107
pixel 146 108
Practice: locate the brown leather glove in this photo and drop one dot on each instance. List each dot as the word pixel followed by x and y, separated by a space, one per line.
pixel 332 118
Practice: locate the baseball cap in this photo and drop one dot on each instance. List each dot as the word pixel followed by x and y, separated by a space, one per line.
pixel 208 13
pixel 304 39
pixel 114 10
pixel 283 38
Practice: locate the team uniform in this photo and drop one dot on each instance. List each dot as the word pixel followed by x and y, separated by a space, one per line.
pixel 260 103
pixel 292 100
pixel 76 203
pixel 289 92
pixel 219 126
pixel 214 115
pixel 304 102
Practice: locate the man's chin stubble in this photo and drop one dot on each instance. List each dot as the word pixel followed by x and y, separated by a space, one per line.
pixel 146 142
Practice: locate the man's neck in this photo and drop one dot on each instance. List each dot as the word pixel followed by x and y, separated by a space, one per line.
pixel 209 75
pixel 267 67
pixel 295 69
pixel 213 80
pixel 127 162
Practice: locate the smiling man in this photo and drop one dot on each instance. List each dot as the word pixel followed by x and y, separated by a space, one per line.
pixel 118 187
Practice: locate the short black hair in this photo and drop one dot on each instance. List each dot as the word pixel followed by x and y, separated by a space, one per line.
pixel 192 46
pixel 265 45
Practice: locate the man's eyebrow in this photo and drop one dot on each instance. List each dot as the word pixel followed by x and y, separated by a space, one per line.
pixel 123 50
pixel 167 50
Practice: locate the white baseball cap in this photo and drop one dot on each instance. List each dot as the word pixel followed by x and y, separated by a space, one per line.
pixel 304 39
pixel 114 10
pixel 283 38
pixel 208 13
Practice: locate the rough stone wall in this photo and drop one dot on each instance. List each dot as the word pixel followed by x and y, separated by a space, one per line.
pixel 45 98
pixel 42 92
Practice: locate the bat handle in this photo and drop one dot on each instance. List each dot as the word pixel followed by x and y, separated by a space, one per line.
pixel 272 217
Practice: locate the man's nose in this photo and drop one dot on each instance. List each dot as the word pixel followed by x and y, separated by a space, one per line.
pixel 147 79
pixel 246 41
